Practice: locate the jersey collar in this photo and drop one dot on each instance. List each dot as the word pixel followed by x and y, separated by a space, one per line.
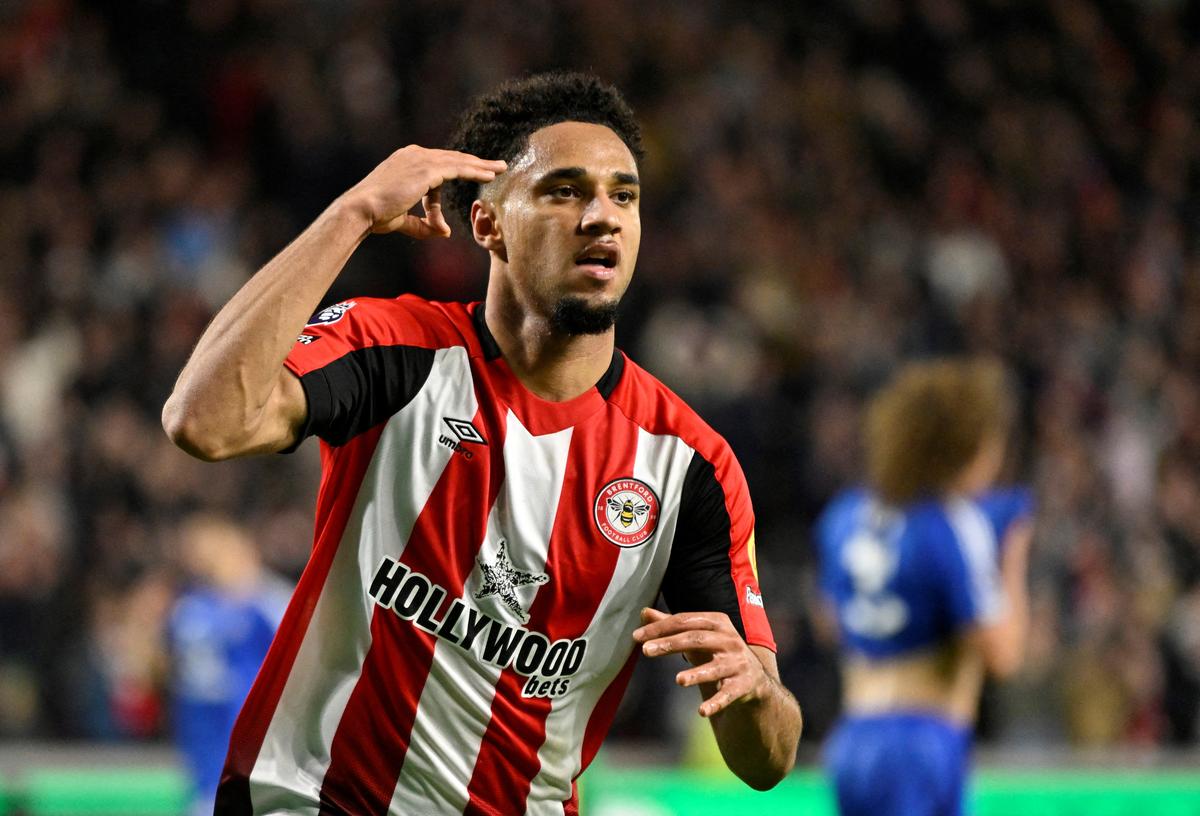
pixel 491 351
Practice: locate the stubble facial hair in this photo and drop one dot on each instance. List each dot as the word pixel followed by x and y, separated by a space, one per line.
pixel 573 316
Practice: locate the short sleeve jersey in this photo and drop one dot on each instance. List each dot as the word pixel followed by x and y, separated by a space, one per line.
pixel 461 636
pixel 905 579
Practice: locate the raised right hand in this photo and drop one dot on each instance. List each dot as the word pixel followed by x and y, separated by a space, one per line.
pixel 415 174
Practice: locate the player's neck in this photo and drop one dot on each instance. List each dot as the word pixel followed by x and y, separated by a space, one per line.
pixel 553 366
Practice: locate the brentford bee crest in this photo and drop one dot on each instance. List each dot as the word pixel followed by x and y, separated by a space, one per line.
pixel 626 512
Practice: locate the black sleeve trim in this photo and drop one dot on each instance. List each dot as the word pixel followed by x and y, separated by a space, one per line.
pixel 361 389
pixel 699 575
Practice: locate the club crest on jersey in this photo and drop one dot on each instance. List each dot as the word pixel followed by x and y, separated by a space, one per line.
pixel 331 314
pixel 626 512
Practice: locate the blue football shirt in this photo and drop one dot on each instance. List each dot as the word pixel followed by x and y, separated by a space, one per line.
pixel 904 579
pixel 217 643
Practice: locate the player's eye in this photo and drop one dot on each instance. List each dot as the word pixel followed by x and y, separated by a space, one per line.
pixel 624 196
pixel 566 191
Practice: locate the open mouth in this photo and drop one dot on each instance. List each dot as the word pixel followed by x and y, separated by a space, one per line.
pixel 605 255
pixel 608 263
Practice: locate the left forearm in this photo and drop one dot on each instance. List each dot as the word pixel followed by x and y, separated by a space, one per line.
pixel 758 738
pixel 756 720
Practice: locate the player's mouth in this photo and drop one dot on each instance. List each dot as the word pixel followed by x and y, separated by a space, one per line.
pixel 599 260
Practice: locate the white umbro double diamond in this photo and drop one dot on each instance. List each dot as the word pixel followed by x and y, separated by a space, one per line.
pixel 464 430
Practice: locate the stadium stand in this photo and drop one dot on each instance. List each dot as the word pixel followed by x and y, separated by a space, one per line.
pixel 831 188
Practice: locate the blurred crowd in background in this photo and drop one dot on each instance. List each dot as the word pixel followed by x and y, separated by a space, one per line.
pixel 831 188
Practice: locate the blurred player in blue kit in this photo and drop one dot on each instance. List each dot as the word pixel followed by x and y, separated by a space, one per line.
pixel 218 634
pixel 926 569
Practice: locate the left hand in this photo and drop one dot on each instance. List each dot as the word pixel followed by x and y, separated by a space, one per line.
pixel 717 652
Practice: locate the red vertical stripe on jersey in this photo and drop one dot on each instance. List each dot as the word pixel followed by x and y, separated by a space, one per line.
pixel 335 502
pixel 571 806
pixel 580 571
pixel 373 735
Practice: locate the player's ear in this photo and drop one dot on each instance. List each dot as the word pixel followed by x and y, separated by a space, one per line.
pixel 485 226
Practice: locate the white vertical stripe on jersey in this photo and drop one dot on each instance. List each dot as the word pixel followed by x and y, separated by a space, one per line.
pixel 453 712
pixel 662 463
pixel 977 542
pixel 406 466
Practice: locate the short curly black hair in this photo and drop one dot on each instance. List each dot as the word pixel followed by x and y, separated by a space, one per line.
pixel 497 125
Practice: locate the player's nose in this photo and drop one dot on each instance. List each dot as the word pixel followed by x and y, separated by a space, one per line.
pixel 601 216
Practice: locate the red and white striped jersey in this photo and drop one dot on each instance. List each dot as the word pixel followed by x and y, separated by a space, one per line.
pixel 461 635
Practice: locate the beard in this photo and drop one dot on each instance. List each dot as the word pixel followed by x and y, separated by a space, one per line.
pixel 573 316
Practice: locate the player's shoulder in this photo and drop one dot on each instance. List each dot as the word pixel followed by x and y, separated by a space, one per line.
pixel 655 408
pixel 945 528
pixel 842 512
pixel 406 320
pixel 932 518
pixel 1003 506
pixel 847 502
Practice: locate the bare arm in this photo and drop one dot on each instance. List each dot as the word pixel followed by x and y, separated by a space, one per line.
pixel 755 719
pixel 234 397
pixel 1002 644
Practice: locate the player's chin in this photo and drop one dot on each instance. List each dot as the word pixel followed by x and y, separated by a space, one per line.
pixel 579 315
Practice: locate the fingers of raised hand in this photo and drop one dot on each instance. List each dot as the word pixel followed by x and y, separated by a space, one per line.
pixel 409 176
pixel 439 166
pixel 433 223
pixel 411 225
pixel 434 218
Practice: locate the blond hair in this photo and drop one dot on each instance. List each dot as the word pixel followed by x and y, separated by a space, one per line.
pixel 928 424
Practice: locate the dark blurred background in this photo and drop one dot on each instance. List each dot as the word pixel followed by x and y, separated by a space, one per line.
pixel 830 189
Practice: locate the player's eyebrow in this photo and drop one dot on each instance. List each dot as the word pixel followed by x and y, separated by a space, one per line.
pixel 571 173
pixel 562 173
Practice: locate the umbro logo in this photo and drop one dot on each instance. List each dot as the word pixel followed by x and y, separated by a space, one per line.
pixel 463 431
